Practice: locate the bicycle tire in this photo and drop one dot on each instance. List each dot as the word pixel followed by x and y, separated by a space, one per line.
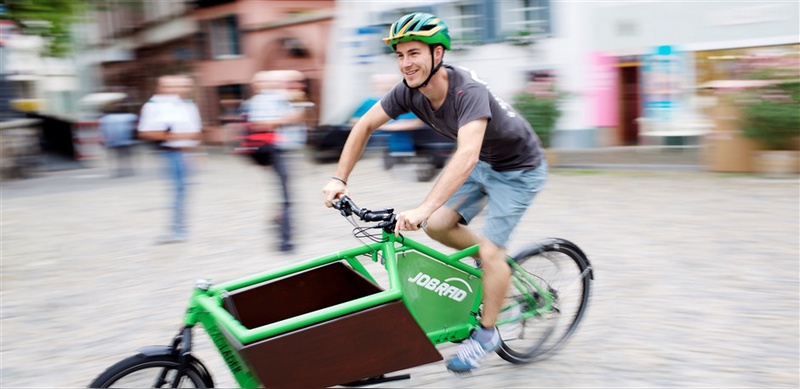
pixel 537 337
pixel 127 373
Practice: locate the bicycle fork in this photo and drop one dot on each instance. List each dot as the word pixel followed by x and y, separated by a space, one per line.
pixel 182 343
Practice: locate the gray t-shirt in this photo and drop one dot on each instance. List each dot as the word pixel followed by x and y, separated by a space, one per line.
pixel 509 142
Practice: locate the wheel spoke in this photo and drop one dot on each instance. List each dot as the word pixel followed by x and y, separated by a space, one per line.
pixel 162 378
pixel 550 311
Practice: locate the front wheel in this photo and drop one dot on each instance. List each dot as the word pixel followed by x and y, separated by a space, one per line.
pixel 548 297
pixel 153 371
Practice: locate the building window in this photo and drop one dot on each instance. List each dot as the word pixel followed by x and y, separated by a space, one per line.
pixel 222 37
pixel 230 99
pixel 467 25
pixel 474 22
pixel 526 18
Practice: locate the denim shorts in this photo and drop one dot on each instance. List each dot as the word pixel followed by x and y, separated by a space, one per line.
pixel 508 194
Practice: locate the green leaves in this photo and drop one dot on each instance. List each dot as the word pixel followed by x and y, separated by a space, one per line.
pixel 51 19
pixel 541 112
pixel 772 116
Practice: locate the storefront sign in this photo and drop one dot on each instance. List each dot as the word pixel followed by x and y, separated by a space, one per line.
pixel 663 75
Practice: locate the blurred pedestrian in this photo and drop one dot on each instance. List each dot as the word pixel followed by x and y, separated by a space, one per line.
pixel 292 135
pixel 271 121
pixel 118 129
pixel 172 119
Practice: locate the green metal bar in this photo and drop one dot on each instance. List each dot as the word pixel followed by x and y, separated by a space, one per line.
pixel 521 273
pixel 230 354
pixel 390 256
pixel 459 332
pixel 357 266
pixel 245 336
pixel 295 268
pixel 453 260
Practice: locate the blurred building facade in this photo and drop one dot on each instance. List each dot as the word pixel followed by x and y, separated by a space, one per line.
pixel 660 56
pixel 631 70
pixel 221 43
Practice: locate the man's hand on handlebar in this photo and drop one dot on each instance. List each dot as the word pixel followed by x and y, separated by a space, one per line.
pixel 332 190
pixel 411 220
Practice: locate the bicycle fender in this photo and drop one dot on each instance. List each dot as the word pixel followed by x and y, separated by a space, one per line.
pixel 553 242
pixel 580 252
pixel 152 351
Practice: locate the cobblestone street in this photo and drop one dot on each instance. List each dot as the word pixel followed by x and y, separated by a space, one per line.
pixel 697 275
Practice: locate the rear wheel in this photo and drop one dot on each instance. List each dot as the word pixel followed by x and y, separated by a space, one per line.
pixel 536 321
pixel 154 371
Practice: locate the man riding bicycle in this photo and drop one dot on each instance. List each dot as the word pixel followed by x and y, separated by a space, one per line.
pixel 498 162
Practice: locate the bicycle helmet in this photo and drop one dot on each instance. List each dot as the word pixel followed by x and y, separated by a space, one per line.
pixel 418 26
pixel 423 27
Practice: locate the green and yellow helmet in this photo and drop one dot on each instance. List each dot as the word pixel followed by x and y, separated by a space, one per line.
pixel 418 26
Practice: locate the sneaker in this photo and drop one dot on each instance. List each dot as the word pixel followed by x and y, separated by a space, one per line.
pixel 286 247
pixel 171 238
pixel 474 349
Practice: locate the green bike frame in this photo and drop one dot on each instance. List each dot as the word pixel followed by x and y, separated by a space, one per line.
pixel 442 293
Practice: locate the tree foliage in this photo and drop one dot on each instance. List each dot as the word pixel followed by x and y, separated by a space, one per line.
pixel 772 116
pixel 51 19
pixel 541 112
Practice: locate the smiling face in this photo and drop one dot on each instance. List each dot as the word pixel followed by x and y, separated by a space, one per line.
pixel 414 61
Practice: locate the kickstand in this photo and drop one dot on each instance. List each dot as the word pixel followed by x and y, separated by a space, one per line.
pixel 378 380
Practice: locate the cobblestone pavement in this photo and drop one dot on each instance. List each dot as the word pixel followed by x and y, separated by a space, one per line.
pixel 696 274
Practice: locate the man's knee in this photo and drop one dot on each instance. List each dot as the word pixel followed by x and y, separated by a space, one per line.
pixel 489 251
pixel 441 222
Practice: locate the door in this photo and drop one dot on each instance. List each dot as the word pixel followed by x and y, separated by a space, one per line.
pixel 630 105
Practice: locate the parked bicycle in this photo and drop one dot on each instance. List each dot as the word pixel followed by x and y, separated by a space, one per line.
pixel 326 321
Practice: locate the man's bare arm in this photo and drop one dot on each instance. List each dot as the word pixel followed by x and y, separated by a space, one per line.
pixel 353 148
pixel 455 173
pixel 357 140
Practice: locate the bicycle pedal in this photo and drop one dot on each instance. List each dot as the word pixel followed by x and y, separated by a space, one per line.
pixel 462 374
pixel 377 380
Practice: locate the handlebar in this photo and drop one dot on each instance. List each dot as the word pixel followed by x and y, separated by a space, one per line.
pixel 386 217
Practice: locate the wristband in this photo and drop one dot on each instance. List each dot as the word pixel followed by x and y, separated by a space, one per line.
pixel 339 179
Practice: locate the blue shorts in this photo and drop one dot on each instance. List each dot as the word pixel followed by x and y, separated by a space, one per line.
pixel 508 194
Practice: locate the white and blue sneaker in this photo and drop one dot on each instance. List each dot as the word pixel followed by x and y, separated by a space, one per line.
pixel 171 238
pixel 474 349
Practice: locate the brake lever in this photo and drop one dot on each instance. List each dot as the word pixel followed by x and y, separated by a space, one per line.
pixel 343 205
pixel 388 225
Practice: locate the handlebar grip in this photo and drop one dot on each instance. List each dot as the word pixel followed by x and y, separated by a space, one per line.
pixel 375 216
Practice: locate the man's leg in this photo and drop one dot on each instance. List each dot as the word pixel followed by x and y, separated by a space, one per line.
pixel 444 227
pixel 279 164
pixel 181 173
pixel 511 194
pixel 176 170
pixel 496 280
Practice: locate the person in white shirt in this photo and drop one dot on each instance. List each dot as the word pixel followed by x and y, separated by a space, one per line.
pixel 173 120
